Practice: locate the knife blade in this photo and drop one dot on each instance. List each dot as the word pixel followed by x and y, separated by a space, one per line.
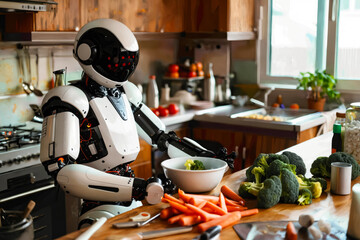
pixel 164 232
pixel 134 223
pixel 209 233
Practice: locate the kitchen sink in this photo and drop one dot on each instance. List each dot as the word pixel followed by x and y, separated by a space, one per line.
pixel 278 114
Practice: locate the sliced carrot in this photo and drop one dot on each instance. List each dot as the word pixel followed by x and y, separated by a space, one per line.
pixel 291 233
pixel 183 195
pixel 167 196
pixel 223 221
pixel 166 213
pixel 179 207
pixel 176 218
pixel 222 203
pixel 215 208
pixel 196 201
pixel 175 211
pixel 233 203
pixel 249 212
pixel 235 208
pixel 210 198
pixel 205 216
pixel 188 220
pixel 229 193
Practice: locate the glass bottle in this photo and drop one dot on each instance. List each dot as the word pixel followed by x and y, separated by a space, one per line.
pixel 352 131
pixel 152 93
pixel 336 142
pixel 209 84
pixel 340 119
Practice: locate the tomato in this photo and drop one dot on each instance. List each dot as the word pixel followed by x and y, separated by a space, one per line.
pixel 199 66
pixel 193 67
pixel 173 108
pixel 294 106
pixel 174 75
pixel 173 68
pixel 155 111
pixel 192 74
pixel 164 112
pixel 276 105
pixel 201 73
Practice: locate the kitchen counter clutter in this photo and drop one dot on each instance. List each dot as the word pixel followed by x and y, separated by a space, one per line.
pixel 330 207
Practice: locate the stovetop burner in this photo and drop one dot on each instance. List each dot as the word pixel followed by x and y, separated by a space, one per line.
pixel 17 136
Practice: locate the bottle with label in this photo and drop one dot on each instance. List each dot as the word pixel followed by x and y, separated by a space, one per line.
pixel 340 119
pixel 336 143
pixel 209 84
pixel 152 93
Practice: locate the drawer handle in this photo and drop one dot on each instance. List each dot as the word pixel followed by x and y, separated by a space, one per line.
pixel 28 193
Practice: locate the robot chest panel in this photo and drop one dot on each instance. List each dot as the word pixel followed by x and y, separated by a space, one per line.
pixel 118 129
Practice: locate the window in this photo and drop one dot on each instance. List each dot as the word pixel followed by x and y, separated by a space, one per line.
pixel 303 35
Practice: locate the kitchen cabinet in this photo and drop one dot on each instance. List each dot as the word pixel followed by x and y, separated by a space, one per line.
pixel 253 140
pixel 142 165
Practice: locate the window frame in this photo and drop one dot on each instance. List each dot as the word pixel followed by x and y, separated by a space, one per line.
pixel 326 42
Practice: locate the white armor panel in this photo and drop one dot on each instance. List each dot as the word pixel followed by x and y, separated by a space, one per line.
pixel 86 182
pixel 120 137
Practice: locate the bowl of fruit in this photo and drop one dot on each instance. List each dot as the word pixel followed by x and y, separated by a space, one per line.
pixel 195 174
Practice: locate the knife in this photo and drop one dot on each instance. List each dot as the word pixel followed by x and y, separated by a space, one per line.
pixel 164 232
pixel 134 223
pixel 209 233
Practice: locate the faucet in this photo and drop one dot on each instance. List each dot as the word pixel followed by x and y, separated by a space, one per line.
pixel 265 96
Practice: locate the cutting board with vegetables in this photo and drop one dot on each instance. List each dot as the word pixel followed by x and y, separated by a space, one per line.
pixel 273 230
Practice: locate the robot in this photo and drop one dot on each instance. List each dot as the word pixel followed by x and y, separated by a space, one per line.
pixel 91 128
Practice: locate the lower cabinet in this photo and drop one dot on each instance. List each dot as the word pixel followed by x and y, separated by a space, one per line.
pixel 249 142
pixel 142 165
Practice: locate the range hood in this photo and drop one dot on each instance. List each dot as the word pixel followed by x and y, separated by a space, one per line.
pixel 26 5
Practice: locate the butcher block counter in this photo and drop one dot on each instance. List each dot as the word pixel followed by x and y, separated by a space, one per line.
pixel 330 207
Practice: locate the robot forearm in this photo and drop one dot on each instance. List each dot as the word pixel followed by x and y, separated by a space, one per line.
pixel 91 184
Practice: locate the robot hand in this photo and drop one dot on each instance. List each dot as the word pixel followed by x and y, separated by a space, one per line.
pixel 228 158
pixel 153 189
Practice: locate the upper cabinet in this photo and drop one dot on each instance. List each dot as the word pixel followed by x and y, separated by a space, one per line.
pixel 219 16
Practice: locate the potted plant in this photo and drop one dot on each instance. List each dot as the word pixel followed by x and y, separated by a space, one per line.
pixel 318 85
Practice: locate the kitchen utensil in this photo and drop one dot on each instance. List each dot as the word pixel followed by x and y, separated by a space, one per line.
pixel 209 234
pixel 14 226
pixel 143 216
pixel 29 208
pixel 59 77
pixel 195 180
pixel 164 232
pixel 92 229
pixel 354 218
pixel 134 223
pixel 277 230
pixel 341 178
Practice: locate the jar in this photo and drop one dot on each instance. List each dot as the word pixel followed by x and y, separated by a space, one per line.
pixel 352 131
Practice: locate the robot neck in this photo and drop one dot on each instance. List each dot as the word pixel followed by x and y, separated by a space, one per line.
pixel 97 90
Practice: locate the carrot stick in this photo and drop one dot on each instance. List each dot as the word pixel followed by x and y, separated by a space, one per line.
pixel 249 212
pixel 166 213
pixel 291 233
pixel 235 208
pixel 216 208
pixel 188 220
pixel 183 195
pixel 223 221
pixel 179 207
pixel 229 193
pixel 175 211
pixel 205 216
pixel 176 218
pixel 233 203
pixel 196 201
pixel 210 198
pixel 222 203
pixel 167 196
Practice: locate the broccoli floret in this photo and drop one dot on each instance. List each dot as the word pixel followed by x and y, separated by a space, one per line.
pixel 272 157
pixel 320 167
pixel 297 161
pixel 250 189
pixel 305 197
pixel 322 181
pixel 347 158
pixel 290 186
pixel 260 161
pixel 276 166
pixel 259 173
pixel 194 165
pixel 314 187
pixel 270 194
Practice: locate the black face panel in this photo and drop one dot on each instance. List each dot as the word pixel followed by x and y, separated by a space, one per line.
pixel 111 60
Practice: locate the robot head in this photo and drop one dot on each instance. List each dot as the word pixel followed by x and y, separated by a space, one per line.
pixel 107 51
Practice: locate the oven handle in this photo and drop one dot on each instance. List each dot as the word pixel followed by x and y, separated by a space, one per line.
pixel 52 185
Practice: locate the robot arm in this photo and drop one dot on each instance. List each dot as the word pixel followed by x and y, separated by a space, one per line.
pixel 152 130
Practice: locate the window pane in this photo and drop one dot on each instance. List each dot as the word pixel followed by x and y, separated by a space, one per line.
pixel 293 31
pixel 348 46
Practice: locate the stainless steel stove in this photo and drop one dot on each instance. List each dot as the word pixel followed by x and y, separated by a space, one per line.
pixel 23 178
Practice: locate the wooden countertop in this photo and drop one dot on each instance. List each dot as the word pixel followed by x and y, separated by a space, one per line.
pixel 328 206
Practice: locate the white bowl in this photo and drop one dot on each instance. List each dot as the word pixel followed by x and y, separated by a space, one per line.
pixel 195 181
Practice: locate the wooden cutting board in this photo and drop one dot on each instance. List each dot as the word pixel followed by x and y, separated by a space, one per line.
pixel 274 230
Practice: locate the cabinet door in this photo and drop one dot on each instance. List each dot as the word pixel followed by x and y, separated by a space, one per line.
pixel 142 164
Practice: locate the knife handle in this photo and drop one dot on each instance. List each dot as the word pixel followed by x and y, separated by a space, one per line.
pixel 210 233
